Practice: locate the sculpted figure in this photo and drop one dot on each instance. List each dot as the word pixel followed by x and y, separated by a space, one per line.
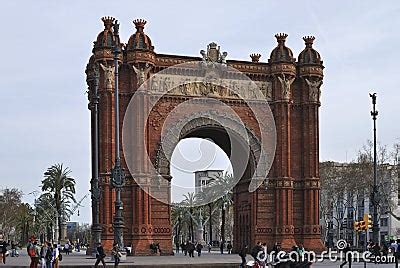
pixel 155 87
pixel 141 73
pixel 286 83
pixel 108 75
pixel 203 55
pixel 223 57
pixel 196 88
pixel 314 90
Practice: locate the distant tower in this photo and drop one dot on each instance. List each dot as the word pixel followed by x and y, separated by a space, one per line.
pixel 204 177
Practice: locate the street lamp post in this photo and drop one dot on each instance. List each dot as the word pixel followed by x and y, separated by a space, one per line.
pixel 118 176
pixel 95 191
pixel 374 196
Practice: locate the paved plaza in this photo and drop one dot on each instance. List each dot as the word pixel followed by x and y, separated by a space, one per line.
pixel 206 260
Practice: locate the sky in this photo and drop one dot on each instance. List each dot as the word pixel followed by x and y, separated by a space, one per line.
pixel 46 44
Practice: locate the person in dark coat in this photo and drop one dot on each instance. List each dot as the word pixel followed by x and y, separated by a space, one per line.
pixel 100 255
pixel 376 250
pixel 229 248
pixel 221 247
pixel 3 250
pixel 184 248
pixel 199 247
pixel 190 249
pixel 256 249
pixel 242 255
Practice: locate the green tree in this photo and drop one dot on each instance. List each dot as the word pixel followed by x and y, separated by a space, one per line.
pixel 190 203
pixel 61 186
pixel 223 185
pixel 10 200
pixel 25 223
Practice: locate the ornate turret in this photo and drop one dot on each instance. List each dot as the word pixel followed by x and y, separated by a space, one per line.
pixel 311 71
pixel 105 39
pixel 139 40
pixel 281 53
pixel 309 55
pixel 255 57
pixel 103 46
pixel 139 47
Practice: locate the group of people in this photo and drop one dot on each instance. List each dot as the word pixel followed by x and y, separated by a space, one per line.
pixel 47 255
pixel 189 248
pixel 4 245
pixel 257 252
pixel 101 255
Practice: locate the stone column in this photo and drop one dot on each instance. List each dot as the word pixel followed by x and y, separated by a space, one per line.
pixel 284 229
pixel 311 83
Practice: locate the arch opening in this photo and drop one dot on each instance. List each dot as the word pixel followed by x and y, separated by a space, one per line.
pixel 226 219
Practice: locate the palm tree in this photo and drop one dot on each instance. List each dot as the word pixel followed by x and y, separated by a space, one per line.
pixel 178 216
pixel 61 186
pixel 190 202
pixel 223 184
pixel 25 218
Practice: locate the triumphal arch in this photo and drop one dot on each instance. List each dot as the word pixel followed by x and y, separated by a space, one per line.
pixel 283 203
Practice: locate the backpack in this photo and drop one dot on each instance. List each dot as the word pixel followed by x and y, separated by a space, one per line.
pixel 32 251
pixel 49 254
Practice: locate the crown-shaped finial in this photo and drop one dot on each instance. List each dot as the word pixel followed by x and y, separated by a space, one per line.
pixel 139 24
pixel 108 21
pixel 309 40
pixel 255 57
pixel 281 38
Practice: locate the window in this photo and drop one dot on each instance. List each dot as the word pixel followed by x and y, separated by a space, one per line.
pixel 384 222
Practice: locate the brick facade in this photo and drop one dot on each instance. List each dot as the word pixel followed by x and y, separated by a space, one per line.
pixel 287 212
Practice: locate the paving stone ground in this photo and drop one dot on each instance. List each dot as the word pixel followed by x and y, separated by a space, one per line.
pixel 208 260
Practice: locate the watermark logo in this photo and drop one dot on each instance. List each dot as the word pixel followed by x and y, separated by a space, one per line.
pixel 341 244
pixel 344 253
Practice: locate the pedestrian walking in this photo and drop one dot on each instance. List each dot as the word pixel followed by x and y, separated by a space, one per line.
pixel 242 255
pixel 43 251
pixel 209 247
pixel 3 250
pixel 100 255
pixel 229 248
pixel 66 248
pixel 56 256
pixel 385 251
pixel 49 256
pixel 177 247
pixel 184 248
pixel 221 247
pixel 14 249
pixel 116 253
pixel 347 256
pixel 190 249
pixel 199 247
pixel 33 252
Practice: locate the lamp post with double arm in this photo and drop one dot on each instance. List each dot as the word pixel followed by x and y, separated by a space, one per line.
pixel 117 173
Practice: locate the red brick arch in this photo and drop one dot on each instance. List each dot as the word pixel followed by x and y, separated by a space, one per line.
pixel 285 209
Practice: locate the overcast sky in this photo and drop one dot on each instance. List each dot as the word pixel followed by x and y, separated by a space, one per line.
pixel 45 46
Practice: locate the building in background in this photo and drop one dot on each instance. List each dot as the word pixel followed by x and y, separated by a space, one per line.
pixel 345 198
pixel 204 177
pixel 72 229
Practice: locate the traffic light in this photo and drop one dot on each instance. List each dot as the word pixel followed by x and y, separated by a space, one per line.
pixel 357 225
pixel 363 225
pixel 360 226
pixel 368 221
